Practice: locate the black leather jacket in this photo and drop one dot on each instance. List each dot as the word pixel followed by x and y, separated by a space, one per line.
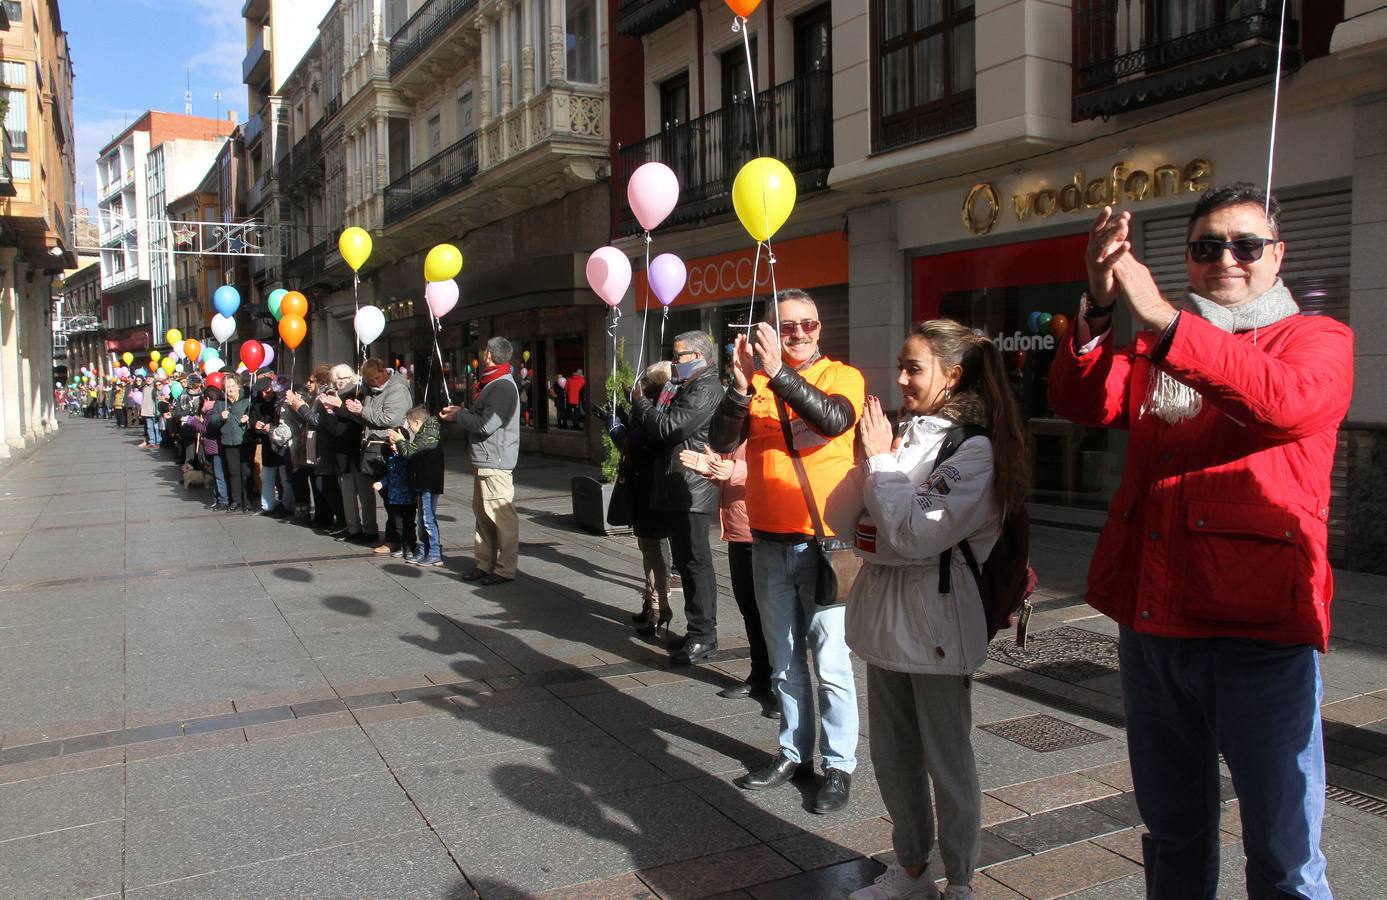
pixel 828 414
pixel 683 426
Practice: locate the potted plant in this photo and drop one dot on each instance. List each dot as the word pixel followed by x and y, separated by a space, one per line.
pixel 593 497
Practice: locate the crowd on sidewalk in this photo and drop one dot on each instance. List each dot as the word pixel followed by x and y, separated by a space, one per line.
pixel 898 541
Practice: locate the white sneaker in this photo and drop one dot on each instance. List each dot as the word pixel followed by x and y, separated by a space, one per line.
pixel 959 892
pixel 896 884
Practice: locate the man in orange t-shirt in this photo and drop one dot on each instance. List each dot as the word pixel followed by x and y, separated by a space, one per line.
pixel 823 400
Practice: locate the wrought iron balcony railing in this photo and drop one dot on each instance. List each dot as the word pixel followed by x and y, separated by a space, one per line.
pixel 422 29
pixel 796 127
pixel 436 177
pixel 1129 55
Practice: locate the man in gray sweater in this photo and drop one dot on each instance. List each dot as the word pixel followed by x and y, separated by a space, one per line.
pixel 493 436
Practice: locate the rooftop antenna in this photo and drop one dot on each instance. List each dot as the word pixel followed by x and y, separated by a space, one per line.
pixel 217 96
pixel 188 93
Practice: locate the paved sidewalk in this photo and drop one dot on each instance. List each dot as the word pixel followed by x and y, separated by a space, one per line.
pixel 194 704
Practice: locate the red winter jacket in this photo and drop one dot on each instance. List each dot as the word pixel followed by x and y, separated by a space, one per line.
pixel 1218 528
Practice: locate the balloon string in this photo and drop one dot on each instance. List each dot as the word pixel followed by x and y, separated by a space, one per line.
pixel 443 374
pixel 755 275
pixel 611 331
pixel 1275 108
pixel 663 320
pixel 756 130
pixel 640 355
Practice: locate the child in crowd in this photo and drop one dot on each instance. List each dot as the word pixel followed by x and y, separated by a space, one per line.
pixel 399 501
pixel 424 454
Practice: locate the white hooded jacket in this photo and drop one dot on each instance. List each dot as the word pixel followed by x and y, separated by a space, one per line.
pixel 896 617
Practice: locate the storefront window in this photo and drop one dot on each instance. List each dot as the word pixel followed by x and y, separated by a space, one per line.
pixel 525 363
pixel 567 386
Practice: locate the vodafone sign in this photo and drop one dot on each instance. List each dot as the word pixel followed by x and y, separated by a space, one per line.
pixel 808 262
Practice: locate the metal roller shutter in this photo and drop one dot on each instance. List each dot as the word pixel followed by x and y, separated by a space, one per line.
pixel 1316 269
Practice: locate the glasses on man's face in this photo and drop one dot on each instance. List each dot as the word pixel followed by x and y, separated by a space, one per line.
pixel 808 326
pixel 1246 250
pixel 685 355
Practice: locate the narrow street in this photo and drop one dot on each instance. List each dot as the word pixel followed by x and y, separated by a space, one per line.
pixel 201 705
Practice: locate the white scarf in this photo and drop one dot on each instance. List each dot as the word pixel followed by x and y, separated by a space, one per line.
pixel 1173 401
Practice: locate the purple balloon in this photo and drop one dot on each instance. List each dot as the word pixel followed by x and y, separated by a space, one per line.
pixel 269 355
pixel 667 277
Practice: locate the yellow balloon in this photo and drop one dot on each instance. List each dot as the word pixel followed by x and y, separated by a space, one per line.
pixel 355 247
pixel 128 357
pixel 174 337
pixel 763 196
pixel 154 355
pixel 167 364
pixel 444 262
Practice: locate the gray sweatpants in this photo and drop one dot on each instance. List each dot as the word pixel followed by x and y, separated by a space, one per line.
pixel 921 732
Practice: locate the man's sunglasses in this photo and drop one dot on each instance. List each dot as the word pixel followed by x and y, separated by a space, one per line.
pixel 809 326
pixel 1207 250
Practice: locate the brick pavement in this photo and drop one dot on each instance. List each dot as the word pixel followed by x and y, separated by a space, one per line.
pixel 200 705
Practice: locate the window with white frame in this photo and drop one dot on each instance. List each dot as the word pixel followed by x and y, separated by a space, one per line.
pixel 17 118
pixel 581 41
pixel 466 122
pixel 14 74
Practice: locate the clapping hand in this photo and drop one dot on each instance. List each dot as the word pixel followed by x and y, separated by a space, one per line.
pixel 394 435
pixel 874 429
pixel 331 401
pixel 449 413
pixel 1107 244
pixel 707 463
pixel 353 406
pixel 743 364
pixel 767 346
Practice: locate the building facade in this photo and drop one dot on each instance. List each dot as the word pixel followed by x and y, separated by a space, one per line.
pixel 36 205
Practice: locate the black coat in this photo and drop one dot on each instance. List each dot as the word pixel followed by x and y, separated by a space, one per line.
pixel 265 411
pixel 344 437
pixel 683 426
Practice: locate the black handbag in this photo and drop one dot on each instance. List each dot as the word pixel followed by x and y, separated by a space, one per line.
pixel 839 565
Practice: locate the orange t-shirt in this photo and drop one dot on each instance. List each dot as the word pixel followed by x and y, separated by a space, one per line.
pixel 774 499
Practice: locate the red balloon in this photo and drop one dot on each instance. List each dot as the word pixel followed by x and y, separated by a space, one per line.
pixel 252 354
pixel 217 380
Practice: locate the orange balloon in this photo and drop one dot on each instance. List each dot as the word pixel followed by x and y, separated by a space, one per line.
pixel 292 330
pixel 192 349
pixel 294 304
pixel 743 8
pixel 1059 324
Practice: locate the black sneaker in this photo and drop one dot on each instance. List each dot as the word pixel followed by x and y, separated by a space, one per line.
pixel 346 537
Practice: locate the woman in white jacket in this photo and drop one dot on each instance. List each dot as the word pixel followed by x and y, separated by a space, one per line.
pixel 921 646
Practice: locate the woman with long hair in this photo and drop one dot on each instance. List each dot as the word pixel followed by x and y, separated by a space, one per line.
pixel 923 644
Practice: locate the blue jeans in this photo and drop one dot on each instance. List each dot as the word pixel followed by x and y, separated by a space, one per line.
pixel 268 476
pixel 430 544
pixel 1189 699
pixel 219 475
pixel 793 625
pixel 151 429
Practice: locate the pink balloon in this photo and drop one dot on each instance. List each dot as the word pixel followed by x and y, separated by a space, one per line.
pixel 609 274
pixel 442 296
pixel 652 193
pixel 269 355
pixel 667 277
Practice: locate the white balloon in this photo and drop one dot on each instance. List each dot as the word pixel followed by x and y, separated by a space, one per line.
pixel 215 364
pixel 178 350
pixel 223 327
pixel 370 322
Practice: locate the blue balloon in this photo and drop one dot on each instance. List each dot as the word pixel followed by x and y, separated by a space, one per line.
pixel 227 300
pixel 141 372
pixel 210 353
pixel 1033 321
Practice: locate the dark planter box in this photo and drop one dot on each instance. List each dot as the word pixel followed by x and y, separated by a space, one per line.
pixel 591 498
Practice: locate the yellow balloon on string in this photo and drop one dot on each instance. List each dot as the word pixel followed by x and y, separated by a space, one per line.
pixel 763 195
pixel 355 247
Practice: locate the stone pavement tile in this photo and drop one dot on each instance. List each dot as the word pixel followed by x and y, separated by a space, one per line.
pixel 994 849
pixel 1057 828
pixel 393 658
pixel 466 733
pixel 74 862
pixel 987 889
pixel 520 853
pixel 493 670
pixel 66 712
pixel 480 699
pixel 75 631
pixel 1061 872
pixel 246 769
pixel 531 779
pixel 292 727
pixel 1363 710
pixel 731 869
pixel 181 713
pixel 175 635
pixel 380 685
pixel 787 810
pixel 60 605
pixel 620 887
pixel 394 712
pixel 816 849
pixel 664 707
pixel 1230 819
pixel 60 801
pixel 829 883
pixel 595 686
pixel 224 683
pixel 994 811
pixel 59 731
pixel 1124 843
pixel 722 746
pixel 1122 807
pixel 1002 763
pixel 57 765
pixel 1051 793
pixel 210 740
pixel 1117 774
pixel 191 658
pixel 175 843
pixel 662 676
pixel 410 864
pixel 284 698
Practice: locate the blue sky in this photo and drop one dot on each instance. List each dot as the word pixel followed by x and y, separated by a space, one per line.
pixel 137 55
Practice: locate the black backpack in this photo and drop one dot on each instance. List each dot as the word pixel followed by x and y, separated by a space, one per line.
pixel 1006 580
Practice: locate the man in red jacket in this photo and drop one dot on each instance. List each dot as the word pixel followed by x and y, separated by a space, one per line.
pixel 1213 559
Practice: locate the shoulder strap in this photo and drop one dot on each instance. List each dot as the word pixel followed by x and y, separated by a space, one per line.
pixel 953 439
pixel 799 470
